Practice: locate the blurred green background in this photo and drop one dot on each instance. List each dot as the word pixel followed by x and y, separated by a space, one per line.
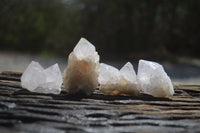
pixel 120 29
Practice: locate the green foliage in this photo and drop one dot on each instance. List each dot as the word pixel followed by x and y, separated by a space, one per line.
pixel 126 28
pixel 38 25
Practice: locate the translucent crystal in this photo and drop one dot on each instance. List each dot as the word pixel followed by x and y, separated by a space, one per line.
pixel 128 72
pixel 84 50
pixel 153 79
pixel 37 79
pixel 81 73
pixel 109 75
pixel 115 82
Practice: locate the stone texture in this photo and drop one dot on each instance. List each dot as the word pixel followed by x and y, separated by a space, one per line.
pixel 115 82
pixel 81 73
pixel 37 79
pixel 154 80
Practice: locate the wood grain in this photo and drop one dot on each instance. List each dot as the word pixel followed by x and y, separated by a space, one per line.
pixel 24 111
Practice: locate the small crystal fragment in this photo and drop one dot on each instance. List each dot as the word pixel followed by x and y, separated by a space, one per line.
pixel 154 80
pixel 115 82
pixel 37 79
pixel 81 73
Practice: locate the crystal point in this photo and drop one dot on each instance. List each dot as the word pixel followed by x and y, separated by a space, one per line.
pixel 81 73
pixel 109 74
pixel 85 50
pixel 115 82
pixel 154 80
pixel 37 79
pixel 128 72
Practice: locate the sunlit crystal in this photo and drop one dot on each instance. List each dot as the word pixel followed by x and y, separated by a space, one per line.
pixel 153 79
pixel 115 82
pixel 37 79
pixel 81 73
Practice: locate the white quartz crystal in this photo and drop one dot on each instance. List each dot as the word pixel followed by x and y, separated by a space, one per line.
pixel 81 73
pixel 37 79
pixel 128 72
pixel 153 79
pixel 116 82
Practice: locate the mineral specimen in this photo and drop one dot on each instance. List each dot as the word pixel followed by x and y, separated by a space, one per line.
pixel 153 79
pixel 37 79
pixel 81 73
pixel 115 82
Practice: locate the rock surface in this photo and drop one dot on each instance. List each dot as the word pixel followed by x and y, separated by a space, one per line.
pixel 81 73
pixel 154 80
pixel 37 79
pixel 115 82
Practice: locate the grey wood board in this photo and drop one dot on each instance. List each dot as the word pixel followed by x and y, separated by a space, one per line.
pixel 24 111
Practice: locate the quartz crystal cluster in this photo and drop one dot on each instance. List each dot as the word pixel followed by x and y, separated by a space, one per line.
pixel 153 79
pixel 81 73
pixel 37 79
pixel 115 82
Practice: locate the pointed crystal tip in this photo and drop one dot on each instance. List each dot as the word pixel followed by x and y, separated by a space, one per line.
pixel 154 80
pixel 37 79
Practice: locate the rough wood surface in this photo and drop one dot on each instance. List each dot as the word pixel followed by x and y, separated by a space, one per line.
pixel 21 110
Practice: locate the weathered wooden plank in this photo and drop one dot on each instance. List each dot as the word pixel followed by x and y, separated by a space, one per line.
pixel 21 110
